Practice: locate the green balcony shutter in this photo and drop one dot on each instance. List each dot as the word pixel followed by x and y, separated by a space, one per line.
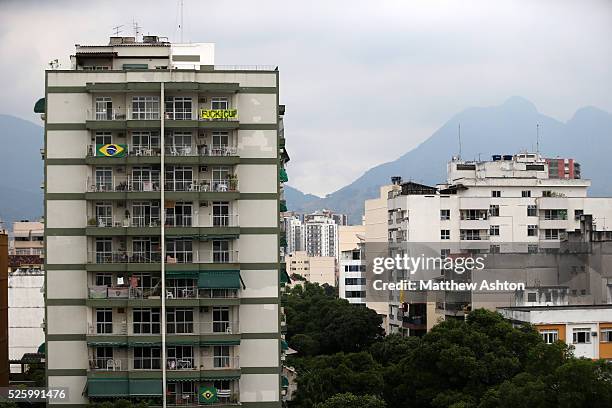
pixel 148 387
pixel 182 274
pixel 282 176
pixel 284 276
pixel 108 387
pixel 219 280
pixel 283 206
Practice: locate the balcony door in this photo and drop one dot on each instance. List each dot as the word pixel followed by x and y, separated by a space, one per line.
pixel 104 108
pixel 104 178
pixel 179 178
pixel 104 214
pixel 145 178
pixel 221 251
pixel 144 249
pixel 179 250
pixel 221 215
pixel 145 214
pixel 179 144
pixel 221 320
pixel 181 215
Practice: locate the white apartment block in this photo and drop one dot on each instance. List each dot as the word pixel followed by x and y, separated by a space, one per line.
pixel 351 265
pixel 315 269
pixel 162 226
pixel 317 235
pixel 28 238
pixel 507 205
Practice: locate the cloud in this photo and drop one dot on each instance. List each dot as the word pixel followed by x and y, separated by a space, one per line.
pixel 363 81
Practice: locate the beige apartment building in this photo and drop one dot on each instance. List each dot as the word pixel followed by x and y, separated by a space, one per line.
pixel 162 201
pixel 28 238
pixel 315 269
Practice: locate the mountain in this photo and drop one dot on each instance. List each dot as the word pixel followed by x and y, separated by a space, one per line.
pixel 504 129
pixel 21 169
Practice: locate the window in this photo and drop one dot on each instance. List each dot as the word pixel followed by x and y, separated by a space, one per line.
pixel 144 140
pixel 532 249
pixel 444 215
pixel 178 108
pixel 103 354
pixel 496 193
pixel 145 214
pixel 444 252
pixel 104 108
pixel 180 392
pixel 532 230
pixel 179 178
pixel 182 288
pixel 103 138
pixel 219 103
pixel 578 213
pixel 179 144
pixel 526 193
pixel 494 249
pixel 220 140
pixel 355 294
pixel 145 107
pixel 104 179
pixel 104 214
pixel 146 321
pixel 606 335
pixel 444 234
pixel 221 252
pixel 532 297
pixel 221 217
pixel 180 357
pixel 180 249
pixel 494 230
pixel 532 211
pixel 555 214
pixel 147 358
pixel 180 215
pixel 548 296
pixel 221 322
pixel 104 250
pixel 551 234
pixel 549 336
pixel 221 357
pixel 145 249
pixel 104 321
pixel 494 210
pixel 180 320
pixel 354 281
pixel 581 336
pixel 104 279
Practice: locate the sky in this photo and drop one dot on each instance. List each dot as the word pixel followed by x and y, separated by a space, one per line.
pixel 363 81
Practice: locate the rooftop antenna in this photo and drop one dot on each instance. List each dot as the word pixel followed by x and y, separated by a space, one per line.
pixel 459 134
pixel 537 138
pixel 136 29
pixel 181 22
pixel 117 30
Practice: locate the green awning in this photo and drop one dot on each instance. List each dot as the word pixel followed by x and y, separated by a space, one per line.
pixel 219 280
pixel 42 348
pixel 39 106
pixel 108 387
pixel 282 175
pixel 107 343
pixel 284 276
pixel 285 382
pixel 148 387
pixel 135 66
pixel 144 343
pixel 188 342
pixel 219 376
pixel 283 206
pixel 220 342
pixel 210 237
pixel 284 344
pixel 182 274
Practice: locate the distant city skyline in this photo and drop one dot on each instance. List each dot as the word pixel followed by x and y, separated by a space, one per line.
pixel 362 82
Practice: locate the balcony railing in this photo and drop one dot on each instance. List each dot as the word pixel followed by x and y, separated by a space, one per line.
pixel 178 151
pixel 127 292
pixel 224 220
pixel 172 328
pixel 138 222
pixel 176 257
pixel 202 185
pixel 122 184
pixel 119 114
pixel 203 363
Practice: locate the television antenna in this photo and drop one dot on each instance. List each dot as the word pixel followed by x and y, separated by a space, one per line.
pixel 54 64
pixel 459 135
pixel 537 138
pixel 136 28
pixel 181 6
pixel 117 30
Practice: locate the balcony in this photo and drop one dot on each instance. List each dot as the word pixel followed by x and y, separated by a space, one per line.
pixel 133 150
pixel 148 329
pixel 175 257
pixel 196 363
pixel 474 235
pixel 172 292
pixel 122 184
pixel 203 185
pixel 121 114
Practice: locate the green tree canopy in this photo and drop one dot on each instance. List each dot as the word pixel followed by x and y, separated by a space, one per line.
pixel 348 400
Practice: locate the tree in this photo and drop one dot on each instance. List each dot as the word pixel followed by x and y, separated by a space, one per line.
pixel 348 400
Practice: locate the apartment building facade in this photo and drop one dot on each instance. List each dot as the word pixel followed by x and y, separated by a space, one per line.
pixel 315 269
pixel 162 226
pixel 317 234
pixel 4 332
pixel 351 265
pixel 588 328
pixel 508 205
pixel 28 238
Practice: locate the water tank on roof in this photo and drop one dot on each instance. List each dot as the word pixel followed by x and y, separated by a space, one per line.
pixel 496 157
pixel 150 39
pixel 507 157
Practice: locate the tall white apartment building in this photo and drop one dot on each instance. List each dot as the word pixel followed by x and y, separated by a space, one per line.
pixel 296 234
pixel 162 226
pixel 506 205
pixel 351 265
pixel 317 235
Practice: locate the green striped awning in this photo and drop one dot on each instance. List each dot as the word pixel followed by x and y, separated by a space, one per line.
pixel 107 343
pixel 108 387
pixel 219 376
pixel 283 206
pixel 285 382
pixel 284 276
pixel 187 342
pixel 146 387
pixel 282 175
pixel 182 274
pixel 144 343
pixel 219 279
pixel 284 344
pixel 42 348
pixel 220 342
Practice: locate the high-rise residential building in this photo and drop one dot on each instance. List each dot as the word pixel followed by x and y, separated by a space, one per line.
pixel 317 234
pixel 507 205
pixel 4 332
pixel 28 238
pixel 295 233
pixel 162 226
pixel 351 265
pixel 563 168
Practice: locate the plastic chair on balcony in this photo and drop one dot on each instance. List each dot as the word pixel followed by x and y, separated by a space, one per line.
pixel 169 294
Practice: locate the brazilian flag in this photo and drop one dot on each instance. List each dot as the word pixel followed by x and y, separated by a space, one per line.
pixel 207 395
pixel 110 150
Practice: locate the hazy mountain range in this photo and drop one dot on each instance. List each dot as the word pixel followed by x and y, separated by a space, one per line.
pixel 504 129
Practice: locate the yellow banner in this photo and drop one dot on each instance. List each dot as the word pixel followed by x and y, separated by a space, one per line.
pixel 218 114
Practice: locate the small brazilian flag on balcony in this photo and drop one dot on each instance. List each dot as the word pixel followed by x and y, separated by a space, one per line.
pixel 110 150
pixel 207 395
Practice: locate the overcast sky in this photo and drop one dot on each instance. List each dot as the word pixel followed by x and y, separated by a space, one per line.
pixel 363 81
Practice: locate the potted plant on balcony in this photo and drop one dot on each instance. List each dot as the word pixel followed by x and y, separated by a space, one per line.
pixel 233 182
pixel 92 222
pixel 126 221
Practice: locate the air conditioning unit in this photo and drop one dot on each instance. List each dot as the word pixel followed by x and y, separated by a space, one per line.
pixel 204 204
pixel 121 310
pixel 202 100
pixel 203 169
